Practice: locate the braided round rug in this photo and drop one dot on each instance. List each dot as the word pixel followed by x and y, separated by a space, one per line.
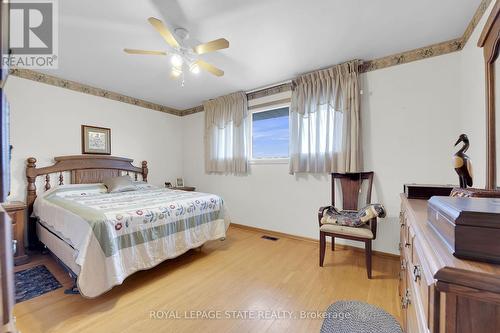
pixel 354 317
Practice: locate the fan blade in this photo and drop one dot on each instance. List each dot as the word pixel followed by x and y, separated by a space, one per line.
pixel 212 46
pixel 134 51
pixel 210 68
pixel 164 32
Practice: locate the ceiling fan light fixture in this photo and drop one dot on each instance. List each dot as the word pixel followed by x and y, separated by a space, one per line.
pixel 194 68
pixel 176 60
pixel 183 56
pixel 176 71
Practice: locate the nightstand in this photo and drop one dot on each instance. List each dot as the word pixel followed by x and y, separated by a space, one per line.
pixel 17 213
pixel 184 188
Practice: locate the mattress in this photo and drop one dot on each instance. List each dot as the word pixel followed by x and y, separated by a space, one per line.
pixel 58 246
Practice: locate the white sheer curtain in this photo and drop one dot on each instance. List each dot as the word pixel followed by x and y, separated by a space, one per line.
pixel 225 134
pixel 325 120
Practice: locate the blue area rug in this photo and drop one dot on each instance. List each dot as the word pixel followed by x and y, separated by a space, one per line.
pixel 33 282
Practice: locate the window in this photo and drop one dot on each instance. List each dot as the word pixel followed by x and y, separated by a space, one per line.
pixel 270 134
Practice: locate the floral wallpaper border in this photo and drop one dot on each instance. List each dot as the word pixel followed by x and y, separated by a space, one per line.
pixel 413 55
pixel 86 89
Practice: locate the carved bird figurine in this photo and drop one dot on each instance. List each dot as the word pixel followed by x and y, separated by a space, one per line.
pixel 462 162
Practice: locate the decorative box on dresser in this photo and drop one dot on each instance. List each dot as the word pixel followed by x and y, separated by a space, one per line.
pixel 439 292
pixel 17 213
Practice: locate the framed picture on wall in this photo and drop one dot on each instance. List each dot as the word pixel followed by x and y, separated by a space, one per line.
pixel 96 140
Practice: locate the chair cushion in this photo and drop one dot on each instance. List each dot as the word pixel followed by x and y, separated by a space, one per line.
pixel 363 231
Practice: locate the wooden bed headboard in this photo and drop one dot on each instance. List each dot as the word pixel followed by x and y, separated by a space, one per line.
pixel 84 169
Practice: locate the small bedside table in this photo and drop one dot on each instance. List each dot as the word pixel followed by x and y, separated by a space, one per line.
pixel 184 188
pixel 17 213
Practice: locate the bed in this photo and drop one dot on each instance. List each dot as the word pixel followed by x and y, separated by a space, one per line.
pixel 102 238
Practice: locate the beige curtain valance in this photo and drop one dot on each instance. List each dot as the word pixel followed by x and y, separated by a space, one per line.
pixel 332 86
pixel 325 120
pixel 225 109
pixel 225 134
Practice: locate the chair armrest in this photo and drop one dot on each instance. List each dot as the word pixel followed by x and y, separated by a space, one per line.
pixel 320 213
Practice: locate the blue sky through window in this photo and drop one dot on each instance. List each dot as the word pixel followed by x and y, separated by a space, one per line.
pixel 270 134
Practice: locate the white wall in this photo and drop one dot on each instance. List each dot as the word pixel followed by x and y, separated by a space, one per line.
pixel 46 120
pixel 472 111
pixel 409 123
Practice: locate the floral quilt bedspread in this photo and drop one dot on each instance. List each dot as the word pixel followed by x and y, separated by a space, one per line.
pixel 136 230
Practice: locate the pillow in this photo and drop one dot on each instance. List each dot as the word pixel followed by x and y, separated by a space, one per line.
pixel 119 184
pixel 72 190
pixel 142 185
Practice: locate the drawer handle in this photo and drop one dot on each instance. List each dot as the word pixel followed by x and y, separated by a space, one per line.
pixel 417 274
pixel 14 246
pixel 405 300
pixel 403 264
pixel 407 244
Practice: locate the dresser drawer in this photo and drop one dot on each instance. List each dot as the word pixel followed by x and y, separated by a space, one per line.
pixel 410 240
pixel 417 306
pixel 422 282
pixel 411 324
pixel 417 279
pixel 402 230
pixel 403 262
pixel 403 293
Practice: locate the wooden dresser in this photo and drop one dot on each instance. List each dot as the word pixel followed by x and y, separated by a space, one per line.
pixel 441 293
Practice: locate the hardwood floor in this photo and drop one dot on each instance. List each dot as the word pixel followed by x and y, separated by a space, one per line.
pixel 242 273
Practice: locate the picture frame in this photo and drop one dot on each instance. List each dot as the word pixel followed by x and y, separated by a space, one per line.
pixel 180 182
pixel 96 140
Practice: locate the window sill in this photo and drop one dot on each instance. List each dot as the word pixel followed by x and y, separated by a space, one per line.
pixel 270 161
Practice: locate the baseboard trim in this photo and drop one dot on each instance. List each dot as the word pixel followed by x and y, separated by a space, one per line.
pixel 311 240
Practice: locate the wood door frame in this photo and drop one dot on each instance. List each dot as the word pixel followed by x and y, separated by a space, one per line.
pixel 4 40
pixel 490 42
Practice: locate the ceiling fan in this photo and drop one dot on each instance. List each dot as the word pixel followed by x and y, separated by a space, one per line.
pixel 184 57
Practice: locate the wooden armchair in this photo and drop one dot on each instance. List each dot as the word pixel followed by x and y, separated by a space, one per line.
pixel 351 185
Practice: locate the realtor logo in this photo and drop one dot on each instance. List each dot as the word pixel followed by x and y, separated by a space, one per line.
pixel 33 34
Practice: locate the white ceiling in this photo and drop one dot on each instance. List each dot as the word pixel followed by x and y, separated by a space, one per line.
pixel 270 40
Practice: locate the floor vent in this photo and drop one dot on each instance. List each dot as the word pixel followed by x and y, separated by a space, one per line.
pixel 270 238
